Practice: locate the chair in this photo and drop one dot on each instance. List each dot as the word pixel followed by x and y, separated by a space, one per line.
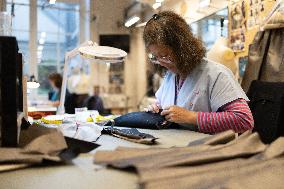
pixel 267 106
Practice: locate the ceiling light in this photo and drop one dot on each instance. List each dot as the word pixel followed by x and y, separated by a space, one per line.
pixel 156 5
pixel 52 2
pixel 159 1
pixel 131 21
pixel 204 3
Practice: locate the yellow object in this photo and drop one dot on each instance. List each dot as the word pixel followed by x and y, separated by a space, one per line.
pixel 100 118
pixel 51 121
pixel 89 119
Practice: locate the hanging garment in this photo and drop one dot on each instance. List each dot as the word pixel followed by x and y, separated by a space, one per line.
pixel 144 120
pixel 266 58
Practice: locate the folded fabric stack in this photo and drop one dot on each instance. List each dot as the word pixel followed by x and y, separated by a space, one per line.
pixel 220 161
pixel 37 144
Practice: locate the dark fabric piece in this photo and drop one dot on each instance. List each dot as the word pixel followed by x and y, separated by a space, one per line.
pixel 267 106
pixel 80 146
pixel 266 58
pixel 132 135
pixel 144 120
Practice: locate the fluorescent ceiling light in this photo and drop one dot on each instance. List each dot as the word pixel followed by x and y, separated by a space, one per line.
pixel 156 5
pixel 52 2
pixel 159 1
pixel 131 21
pixel 204 3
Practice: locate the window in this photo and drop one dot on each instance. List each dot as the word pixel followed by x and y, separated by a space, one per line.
pixel 209 29
pixel 20 27
pixel 58 32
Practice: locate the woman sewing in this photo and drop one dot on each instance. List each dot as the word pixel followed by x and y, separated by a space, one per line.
pixel 195 92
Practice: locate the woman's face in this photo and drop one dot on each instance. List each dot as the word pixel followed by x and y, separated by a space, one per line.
pixel 52 84
pixel 160 54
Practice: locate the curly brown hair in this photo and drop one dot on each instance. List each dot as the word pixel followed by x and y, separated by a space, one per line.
pixel 56 78
pixel 171 30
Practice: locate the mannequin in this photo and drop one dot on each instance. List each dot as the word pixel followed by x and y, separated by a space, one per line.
pixel 222 54
pixel 78 82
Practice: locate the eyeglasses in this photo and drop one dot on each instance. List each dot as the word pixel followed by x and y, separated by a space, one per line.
pixel 157 60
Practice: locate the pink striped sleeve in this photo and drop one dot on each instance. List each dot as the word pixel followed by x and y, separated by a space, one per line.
pixel 235 115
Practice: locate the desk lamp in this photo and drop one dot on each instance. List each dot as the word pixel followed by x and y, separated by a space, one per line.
pixel 91 51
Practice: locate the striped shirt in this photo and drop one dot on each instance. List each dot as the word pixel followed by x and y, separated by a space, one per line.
pixel 235 115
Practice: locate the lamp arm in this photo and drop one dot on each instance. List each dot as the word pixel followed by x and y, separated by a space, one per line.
pixel 68 56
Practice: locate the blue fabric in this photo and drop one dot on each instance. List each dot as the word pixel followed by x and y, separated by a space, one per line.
pixel 55 96
pixel 144 120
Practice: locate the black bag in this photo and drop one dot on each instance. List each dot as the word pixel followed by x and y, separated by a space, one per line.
pixel 267 106
pixel 144 120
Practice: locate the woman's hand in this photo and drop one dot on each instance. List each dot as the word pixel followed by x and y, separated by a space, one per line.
pixel 153 108
pixel 179 115
pixel 54 103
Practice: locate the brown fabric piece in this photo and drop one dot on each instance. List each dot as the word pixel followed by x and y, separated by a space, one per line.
pixel 220 138
pixel 245 147
pixel 36 144
pixel 122 153
pixel 266 58
pixel 11 167
pixel 275 150
pixel 241 163
pixel 266 174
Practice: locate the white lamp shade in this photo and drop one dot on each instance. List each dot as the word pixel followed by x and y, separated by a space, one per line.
pixel 89 50
pixel 103 53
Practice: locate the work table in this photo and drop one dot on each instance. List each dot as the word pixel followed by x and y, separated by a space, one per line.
pixel 82 173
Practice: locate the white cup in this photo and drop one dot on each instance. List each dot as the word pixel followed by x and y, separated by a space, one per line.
pixel 81 114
